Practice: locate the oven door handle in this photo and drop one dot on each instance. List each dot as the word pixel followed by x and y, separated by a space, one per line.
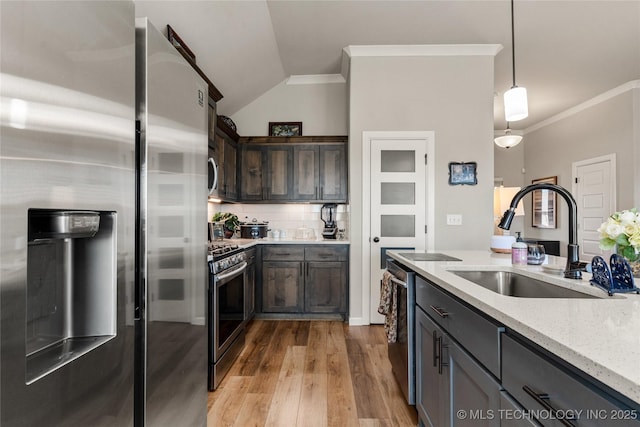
pixel 399 282
pixel 233 272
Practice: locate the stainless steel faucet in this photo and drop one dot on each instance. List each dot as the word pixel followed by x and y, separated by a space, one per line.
pixel 573 268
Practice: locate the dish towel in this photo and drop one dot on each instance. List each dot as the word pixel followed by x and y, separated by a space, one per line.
pixel 388 307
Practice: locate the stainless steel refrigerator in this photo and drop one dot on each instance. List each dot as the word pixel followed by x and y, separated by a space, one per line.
pixel 99 268
pixel 173 214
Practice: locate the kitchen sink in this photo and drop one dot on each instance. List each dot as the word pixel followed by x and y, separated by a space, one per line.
pixel 517 285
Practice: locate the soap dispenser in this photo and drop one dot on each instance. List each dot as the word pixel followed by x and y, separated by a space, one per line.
pixel 519 251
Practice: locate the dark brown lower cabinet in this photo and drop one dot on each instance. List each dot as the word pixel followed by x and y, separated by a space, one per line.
pixel 325 287
pixel 304 279
pixel 282 287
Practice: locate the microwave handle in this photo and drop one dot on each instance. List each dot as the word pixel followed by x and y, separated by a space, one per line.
pixel 215 173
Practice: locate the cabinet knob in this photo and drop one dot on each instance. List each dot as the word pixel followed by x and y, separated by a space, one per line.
pixel 376 239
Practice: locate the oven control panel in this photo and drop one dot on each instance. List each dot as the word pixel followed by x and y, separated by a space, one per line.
pixel 229 262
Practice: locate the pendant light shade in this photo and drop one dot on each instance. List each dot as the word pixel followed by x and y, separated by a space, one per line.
pixel 515 99
pixel 515 104
pixel 508 140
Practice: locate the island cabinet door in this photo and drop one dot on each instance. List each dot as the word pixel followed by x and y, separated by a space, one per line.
pixel 475 394
pixel 282 287
pixel 432 372
pixel 512 414
pixel 325 287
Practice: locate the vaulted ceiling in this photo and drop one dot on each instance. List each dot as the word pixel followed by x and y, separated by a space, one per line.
pixel 567 51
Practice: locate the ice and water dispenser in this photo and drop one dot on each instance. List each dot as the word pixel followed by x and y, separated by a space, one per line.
pixel 71 286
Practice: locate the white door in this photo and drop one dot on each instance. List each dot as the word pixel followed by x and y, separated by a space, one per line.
pixel 398 203
pixel 594 188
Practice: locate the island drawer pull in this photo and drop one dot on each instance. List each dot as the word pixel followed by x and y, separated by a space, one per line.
pixel 542 399
pixel 438 359
pixel 440 311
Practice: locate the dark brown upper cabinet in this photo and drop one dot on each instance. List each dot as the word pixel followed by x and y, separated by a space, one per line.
pixel 293 169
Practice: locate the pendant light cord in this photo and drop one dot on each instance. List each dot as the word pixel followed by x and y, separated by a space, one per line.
pixel 513 46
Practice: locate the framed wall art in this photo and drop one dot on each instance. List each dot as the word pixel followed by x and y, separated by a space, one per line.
pixel 285 128
pixel 463 173
pixel 543 205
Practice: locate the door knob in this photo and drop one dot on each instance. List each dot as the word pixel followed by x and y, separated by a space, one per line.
pixel 376 239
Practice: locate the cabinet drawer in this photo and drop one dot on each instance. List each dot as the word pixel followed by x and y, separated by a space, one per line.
pixel 283 253
pixel 525 372
pixel 479 335
pixel 326 253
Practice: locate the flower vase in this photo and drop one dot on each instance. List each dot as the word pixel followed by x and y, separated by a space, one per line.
pixel 635 264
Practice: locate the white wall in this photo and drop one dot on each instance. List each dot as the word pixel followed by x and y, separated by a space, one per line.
pixel 450 95
pixel 608 126
pixel 322 109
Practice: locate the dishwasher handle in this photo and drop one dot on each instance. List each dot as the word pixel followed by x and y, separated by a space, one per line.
pixel 399 282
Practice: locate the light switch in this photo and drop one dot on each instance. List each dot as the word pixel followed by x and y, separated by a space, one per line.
pixel 454 219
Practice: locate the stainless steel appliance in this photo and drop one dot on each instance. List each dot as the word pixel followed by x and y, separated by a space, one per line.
pixel 172 243
pixel 226 302
pixel 67 191
pixel 328 216
pixel 102 244
pixel 212 175
pixel 402 353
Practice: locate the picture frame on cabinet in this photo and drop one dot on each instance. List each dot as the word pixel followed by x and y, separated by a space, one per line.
pixel 543 205
pixel 285 128
pixel 463 173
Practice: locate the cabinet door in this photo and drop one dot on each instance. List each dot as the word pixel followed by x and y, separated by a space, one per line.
pixel 251 179
pixel 333 173
pixel 325 287
pixel 432 374
pixel 475 395
pixel 512 414
pixel 250 291
pixel 282 287
pixel 279 173
pixel 305 172
pixel 219 148
pixel 229 187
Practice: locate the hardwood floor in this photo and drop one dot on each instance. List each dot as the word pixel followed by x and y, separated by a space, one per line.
pixel 311 373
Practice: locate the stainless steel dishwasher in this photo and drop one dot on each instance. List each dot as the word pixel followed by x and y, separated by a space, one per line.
pixel 402 353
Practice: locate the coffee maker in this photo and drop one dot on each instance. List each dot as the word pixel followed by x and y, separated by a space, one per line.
pixel 328 216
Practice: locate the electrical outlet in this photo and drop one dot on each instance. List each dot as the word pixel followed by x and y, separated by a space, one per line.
pixel 454 219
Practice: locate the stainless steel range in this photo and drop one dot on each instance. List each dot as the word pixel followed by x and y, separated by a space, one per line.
pixel 226 303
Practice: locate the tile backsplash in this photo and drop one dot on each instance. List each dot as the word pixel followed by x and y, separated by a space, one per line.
pixel 285 217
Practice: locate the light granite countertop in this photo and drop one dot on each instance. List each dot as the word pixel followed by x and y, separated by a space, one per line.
pixel 599 336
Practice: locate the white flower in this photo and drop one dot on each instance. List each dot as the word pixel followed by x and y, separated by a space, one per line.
pixel 627 217
pixel 611 229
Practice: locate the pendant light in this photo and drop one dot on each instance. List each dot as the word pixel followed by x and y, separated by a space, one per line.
pixel 508 140
pixel 515 99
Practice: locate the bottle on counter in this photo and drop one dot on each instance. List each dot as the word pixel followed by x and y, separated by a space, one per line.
pixel 519 251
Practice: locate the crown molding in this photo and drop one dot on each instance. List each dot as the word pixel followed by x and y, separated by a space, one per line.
pixel 315 79
pixel 424 50
pixel 633 84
